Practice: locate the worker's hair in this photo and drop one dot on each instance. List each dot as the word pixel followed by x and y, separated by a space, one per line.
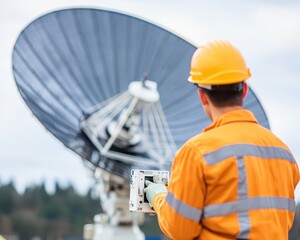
pixel 225 95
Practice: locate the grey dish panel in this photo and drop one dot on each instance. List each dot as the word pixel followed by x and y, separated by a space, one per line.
pixel 68 61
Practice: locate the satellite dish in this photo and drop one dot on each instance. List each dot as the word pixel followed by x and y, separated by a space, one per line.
pixel 111 87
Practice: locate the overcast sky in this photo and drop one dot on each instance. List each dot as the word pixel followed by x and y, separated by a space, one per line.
pixel 266 32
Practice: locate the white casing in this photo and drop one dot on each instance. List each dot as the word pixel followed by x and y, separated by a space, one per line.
pixel 145 91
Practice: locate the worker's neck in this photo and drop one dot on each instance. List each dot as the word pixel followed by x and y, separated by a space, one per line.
pixel 218 112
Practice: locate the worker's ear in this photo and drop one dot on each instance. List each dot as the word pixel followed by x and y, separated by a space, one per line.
pixel 203 97
pixel 245 90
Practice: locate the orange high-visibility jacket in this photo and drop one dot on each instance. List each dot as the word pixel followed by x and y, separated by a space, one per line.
pixel 235 180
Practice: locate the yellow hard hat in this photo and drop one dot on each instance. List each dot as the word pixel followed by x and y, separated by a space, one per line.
pixel 218 63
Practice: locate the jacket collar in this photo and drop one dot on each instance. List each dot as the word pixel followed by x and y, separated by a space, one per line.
pixel 231 117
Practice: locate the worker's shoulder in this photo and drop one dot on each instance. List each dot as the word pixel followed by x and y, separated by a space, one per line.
pixel 219 137
pixel 209 137
pixel 202 142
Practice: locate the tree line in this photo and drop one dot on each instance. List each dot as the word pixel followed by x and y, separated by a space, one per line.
pixel 49 216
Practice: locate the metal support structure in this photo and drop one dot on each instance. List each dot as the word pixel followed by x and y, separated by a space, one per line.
pixel 116 222
pixel 134 124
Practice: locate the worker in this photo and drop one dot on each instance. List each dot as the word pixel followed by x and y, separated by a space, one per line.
pixel 236 179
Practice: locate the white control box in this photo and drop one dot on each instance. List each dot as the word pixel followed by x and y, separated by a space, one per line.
pixel 138 201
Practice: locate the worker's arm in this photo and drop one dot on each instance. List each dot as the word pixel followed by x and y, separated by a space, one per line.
pixel 179 210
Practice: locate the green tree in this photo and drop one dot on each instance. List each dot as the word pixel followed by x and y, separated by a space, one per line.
pixel 52 210
pixel 8 198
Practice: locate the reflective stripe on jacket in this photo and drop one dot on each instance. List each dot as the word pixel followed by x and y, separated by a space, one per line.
pixel 235 180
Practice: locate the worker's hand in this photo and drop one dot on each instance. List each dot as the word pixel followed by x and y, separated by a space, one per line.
pixel 153 188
